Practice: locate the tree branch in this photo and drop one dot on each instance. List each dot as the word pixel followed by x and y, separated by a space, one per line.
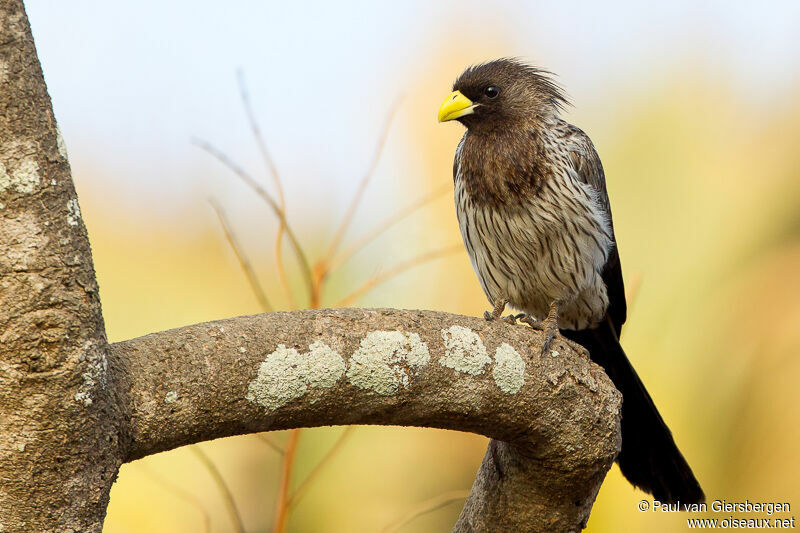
pixel 391 367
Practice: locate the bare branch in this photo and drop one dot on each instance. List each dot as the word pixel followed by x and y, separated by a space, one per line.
pixel 287 288
pixel 244 261
pixel 269 442
pixel 428 506
pixel 298 494
pixel 224 491
pixel 394 271
pixel 264 195
pixel 632 291
pixel 348 217
pixel 180 492
pixel 287 465
pixel 273 171
pixel 369 237
pixel 262 146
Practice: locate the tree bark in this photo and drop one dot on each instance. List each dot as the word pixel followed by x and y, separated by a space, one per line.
pixel 74 408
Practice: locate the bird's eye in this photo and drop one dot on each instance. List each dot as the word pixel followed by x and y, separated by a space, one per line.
pixel 491 91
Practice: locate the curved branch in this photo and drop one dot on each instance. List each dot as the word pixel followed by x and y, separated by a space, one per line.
pixel 558 414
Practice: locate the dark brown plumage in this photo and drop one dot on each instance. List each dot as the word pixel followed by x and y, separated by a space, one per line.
pixel 536 221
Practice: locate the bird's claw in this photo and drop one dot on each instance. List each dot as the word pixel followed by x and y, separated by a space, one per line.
pixel 510 319
pixel 550 327
pixel 549 335
pixel 531 321
pixel 497 312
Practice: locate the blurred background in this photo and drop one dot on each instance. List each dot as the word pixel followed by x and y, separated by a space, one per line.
pixel 692 106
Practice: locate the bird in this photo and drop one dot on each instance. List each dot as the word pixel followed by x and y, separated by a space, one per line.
pixel 535 217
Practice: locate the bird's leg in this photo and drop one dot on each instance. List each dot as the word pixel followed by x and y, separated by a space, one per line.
pixel 499 307
pixel 550 326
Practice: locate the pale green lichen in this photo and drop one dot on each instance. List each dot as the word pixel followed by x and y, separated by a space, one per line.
pixel 382 362
pixel 286 374
pixel 60 144
pixel 24 178
pixel 83 397
pixel 73 212
pixel 325 366
pixel 464 351
pixel 171 397
pixel 509 369
pixel 95 375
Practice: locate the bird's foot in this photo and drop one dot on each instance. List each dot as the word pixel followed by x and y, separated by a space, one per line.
pixel 542 325
pixel 550 327
pixel 497 312
pixel 525 318
pixel 510 319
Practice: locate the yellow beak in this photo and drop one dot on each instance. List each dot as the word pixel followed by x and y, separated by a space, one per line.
pixel 454 106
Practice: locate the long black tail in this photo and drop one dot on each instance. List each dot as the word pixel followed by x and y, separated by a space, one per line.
pixel 649 458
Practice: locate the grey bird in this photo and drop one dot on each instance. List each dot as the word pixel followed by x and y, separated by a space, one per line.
pixel 535 217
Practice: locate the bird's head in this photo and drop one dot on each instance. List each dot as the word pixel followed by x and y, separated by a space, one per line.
pixel 501 94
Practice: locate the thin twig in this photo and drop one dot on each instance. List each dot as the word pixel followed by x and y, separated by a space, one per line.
pixel 269 442
pixel 298 494
pixel 287 289
pixel 273 171
pixel 366 239
pixel 224 491
pixel 337 239
pixel 282 503
pixel 262 146
pixel 426 507
pixel 633 289
pixel 377 280
pixel 276 208
pixel 244 262
pixel 180 492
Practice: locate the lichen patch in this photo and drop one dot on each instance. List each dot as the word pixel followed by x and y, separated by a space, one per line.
pixel 509 369
pixel 60 144
pixel 383 361
pixel 3 78
pixel 171 397
pixel 325 366
pixel 73 212
pixel 23 178
pixel 286 374
pixel 464 351
pixel 95 374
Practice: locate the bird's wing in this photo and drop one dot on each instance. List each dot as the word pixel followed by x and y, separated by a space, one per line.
pixel 589 169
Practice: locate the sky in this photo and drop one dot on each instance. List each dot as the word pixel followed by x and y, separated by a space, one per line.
pixel 134 82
